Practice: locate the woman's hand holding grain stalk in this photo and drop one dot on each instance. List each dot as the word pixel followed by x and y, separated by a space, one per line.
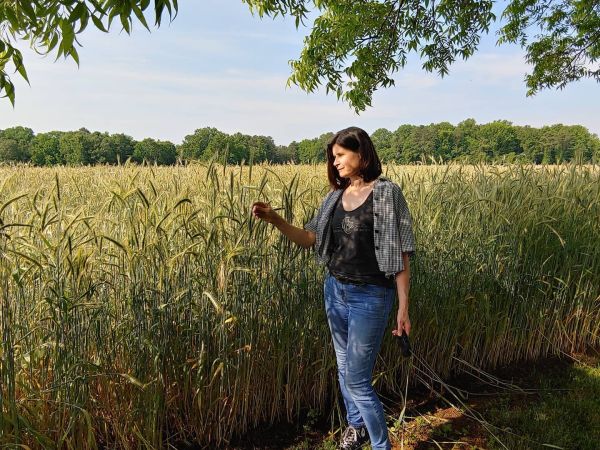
pixel 303 238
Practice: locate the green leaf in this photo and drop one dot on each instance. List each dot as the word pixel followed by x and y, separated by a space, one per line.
pixel 28 10
pixel 140 15
pixel 12 18
pixel 74 55
pixel 83 21
pixel 18 62
pixel 98 23
pixel 52 43
pixel 159 6
pixel 68 35
pixel 8 88
pixel 98 7
pixel 125 22
pixel 77 12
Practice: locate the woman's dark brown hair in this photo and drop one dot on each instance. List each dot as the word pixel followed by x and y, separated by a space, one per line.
pixel 358 141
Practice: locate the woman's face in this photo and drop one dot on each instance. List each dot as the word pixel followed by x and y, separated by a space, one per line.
pixel 345 161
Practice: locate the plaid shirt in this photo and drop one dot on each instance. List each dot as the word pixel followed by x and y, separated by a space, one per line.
pixel 392 226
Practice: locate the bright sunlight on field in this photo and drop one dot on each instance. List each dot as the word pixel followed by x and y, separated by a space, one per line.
pixel 141 306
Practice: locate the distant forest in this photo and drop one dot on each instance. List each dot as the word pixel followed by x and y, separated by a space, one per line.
pixel 467 142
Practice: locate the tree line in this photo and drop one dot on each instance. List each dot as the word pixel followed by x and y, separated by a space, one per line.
pixel 468 142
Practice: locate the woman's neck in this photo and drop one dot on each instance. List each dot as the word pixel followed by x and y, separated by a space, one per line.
pixel 358 183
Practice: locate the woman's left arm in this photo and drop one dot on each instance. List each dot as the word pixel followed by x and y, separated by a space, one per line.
pixel 402 287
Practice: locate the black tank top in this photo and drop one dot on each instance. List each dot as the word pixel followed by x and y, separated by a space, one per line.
pixel 353 256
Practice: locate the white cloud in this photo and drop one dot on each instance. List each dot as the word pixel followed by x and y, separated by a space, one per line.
pixel 492 68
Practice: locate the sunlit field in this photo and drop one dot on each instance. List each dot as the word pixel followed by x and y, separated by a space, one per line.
pixel 141 307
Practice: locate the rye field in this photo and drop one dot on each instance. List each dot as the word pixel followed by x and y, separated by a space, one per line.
pixel 143 306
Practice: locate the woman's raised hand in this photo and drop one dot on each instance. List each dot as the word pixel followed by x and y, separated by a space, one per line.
pixel 303 238
pixel 263 211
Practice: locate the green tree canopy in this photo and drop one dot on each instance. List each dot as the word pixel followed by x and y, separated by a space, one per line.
pixel 382 140
pixel 354 46
pixel 194 145
pixel 9 150
pixel 496 139
pixel 313 150
pixel 14 144
pixel 76 147
pixel 45 149
pixel 208 142
pixel 115 148
pixel 153 151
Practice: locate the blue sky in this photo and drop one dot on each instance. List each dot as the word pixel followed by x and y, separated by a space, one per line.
pixel 217 65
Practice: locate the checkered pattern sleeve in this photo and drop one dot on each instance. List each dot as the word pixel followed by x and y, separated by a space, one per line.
pixel 404 224
pixel 311 225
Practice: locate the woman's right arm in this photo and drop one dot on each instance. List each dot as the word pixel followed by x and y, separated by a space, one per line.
pixel 303 238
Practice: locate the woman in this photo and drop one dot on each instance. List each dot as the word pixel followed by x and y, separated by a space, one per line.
pixel 363 234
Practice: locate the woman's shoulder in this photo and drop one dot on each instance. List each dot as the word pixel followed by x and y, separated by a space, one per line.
pixel 391 192
pixel 388 184
pixel 332 193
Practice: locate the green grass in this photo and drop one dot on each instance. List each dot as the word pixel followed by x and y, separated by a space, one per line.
pixel 566 413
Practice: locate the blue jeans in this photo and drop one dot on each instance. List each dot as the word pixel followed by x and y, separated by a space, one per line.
pixel 357 317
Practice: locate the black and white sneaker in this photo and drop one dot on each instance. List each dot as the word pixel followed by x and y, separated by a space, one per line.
pixel 353 438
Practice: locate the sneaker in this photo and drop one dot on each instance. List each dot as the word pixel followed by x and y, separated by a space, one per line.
pixel 353 438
